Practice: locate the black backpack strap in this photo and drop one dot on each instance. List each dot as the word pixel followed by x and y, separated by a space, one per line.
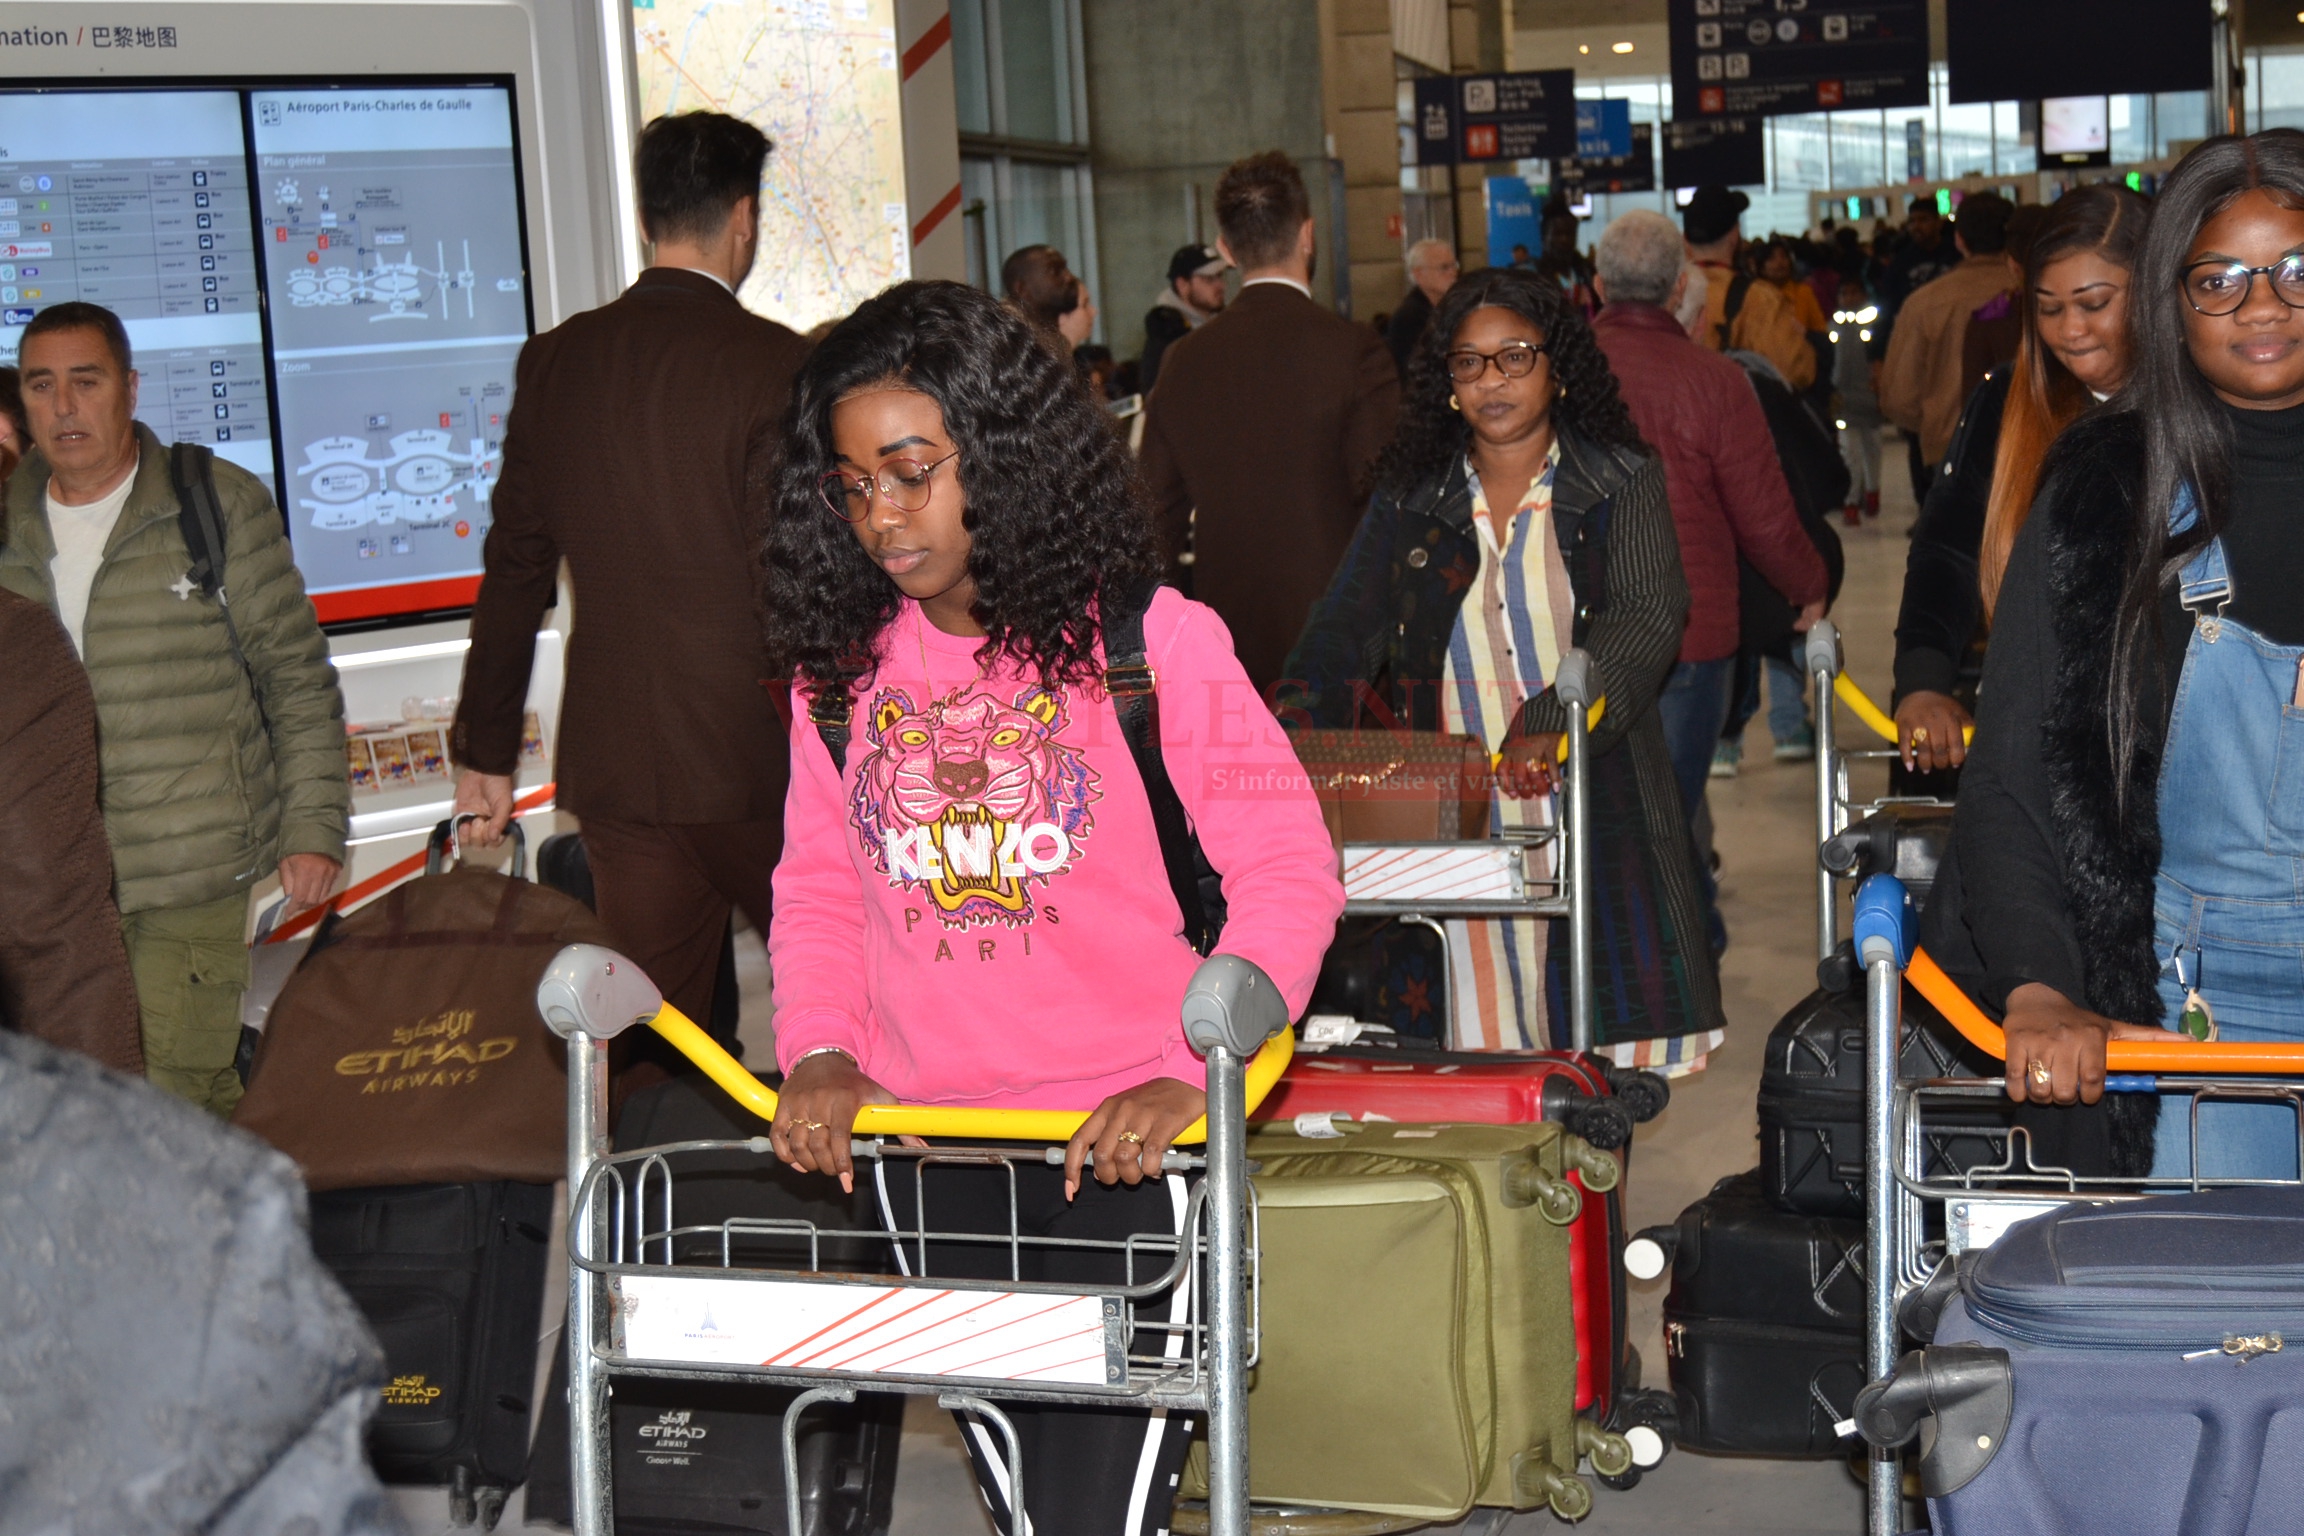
pixel 200 519
pixel 830 710
pixel 1130 680
pixel 1738 286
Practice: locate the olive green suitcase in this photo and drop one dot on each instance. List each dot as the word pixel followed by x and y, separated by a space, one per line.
pixel 1416 1350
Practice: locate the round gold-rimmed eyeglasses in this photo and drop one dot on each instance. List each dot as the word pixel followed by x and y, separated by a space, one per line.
pixel 903 483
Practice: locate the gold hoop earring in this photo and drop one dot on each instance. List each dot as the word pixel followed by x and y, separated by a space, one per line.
pixel 1561 393
pixel 1452 405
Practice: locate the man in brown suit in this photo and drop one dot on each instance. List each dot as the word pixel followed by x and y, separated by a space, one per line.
pixel 1258 441
pixel 639 449
pixel 63 968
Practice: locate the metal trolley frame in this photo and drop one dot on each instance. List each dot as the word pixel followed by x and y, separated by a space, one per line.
pixel 1525 892
pixel 634 1310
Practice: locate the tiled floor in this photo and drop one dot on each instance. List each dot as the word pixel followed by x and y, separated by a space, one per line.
pixel 1764 821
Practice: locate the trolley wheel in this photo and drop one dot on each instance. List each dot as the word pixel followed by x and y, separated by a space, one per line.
pixel 1604 1123
pixel 1621 1482
pixel 1570 1498
pixel 1644 1093
pixel 491 1507
pixel 1611 1455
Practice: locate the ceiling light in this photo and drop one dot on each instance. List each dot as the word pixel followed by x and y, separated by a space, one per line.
pixel 1619 47
pixel 1587 47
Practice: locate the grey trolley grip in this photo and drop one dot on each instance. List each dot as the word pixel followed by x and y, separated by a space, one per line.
pixel 1578 685
pixel 1231 1008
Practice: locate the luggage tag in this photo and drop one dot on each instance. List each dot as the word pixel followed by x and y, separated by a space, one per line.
pixel 2198 1020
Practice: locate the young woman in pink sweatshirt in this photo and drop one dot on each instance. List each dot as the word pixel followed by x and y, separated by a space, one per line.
pixel 972 907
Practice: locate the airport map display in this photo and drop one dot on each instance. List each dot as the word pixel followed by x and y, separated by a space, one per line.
pixel 89 212
pixel 392 244
pixel 819 77
pixel 327 286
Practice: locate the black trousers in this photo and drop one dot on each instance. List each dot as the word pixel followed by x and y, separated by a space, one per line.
pixel 1087 1471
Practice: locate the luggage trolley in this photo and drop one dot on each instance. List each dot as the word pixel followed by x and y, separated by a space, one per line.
pixel 634 1311
pixel 1837 809
pixel 1909 1271
pixel 1428 883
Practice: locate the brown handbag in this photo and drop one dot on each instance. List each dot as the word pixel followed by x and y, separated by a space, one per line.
pixel 407 1049
pixel 1385 786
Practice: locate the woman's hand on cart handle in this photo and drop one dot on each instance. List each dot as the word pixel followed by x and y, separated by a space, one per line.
pixel 1525 763
pixel 1129 1134
pixel 2055 1047
pixel 816 1114
pixel 1932 732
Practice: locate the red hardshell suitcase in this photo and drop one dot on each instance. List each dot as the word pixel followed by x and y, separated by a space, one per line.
pixel 1419 1085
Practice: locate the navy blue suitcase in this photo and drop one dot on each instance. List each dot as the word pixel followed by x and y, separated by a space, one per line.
pixel 2116 1369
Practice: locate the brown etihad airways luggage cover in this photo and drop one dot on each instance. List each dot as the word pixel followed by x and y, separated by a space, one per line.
pixel 407 1049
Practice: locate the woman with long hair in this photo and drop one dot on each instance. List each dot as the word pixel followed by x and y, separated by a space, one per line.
pixel 973 906
pixel 2074 353
pixel 1518 514
pixel 2125 853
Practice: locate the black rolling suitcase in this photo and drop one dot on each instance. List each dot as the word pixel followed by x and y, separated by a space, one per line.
pixel 1812 1102
pixel 1763 1325
pixel 700 1459
pixel 451 1277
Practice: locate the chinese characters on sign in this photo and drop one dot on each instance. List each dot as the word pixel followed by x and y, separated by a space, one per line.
pixel 1739 58
pixel 131 37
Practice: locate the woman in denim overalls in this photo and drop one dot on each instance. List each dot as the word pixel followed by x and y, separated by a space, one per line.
pixel 2129 850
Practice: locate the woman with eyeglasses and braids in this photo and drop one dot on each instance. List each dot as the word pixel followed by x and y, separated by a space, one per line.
pixel 2131 825
pixel 1518 514
pixel 974 906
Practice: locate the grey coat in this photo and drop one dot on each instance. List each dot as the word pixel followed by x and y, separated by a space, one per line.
pixel 172 1356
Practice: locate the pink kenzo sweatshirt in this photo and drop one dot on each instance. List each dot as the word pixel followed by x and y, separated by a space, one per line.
pixel 977 909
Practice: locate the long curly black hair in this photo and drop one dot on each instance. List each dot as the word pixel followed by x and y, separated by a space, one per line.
pixel 1432 436
pixel 1056 515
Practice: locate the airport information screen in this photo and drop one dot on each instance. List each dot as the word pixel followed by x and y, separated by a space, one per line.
pixel 325 284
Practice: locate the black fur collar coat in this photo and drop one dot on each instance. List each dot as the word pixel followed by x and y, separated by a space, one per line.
pixel 2050 875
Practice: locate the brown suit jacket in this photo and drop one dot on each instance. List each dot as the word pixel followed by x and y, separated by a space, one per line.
pixel 63 969
pixel 1265 422
pixel 639 447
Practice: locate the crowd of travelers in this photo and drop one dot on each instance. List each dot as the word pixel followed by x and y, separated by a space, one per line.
pixel 846 602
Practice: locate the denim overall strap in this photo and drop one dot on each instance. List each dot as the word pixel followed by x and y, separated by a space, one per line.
pixel 2229 901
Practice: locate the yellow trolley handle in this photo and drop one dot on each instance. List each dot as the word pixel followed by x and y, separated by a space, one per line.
pixel 1883 725
pixel 598 993
pixel 689 1040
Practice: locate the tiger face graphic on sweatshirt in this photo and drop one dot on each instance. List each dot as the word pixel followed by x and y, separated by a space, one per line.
pixel 972 799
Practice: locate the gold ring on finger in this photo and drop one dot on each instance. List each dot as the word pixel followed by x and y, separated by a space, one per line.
pixel 1132 1136
pixel 1919 734
pixel 813 1125
pixel 2040 1074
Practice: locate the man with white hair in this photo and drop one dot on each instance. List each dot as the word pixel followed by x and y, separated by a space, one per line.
pixel 1721 473
pixel 1432 271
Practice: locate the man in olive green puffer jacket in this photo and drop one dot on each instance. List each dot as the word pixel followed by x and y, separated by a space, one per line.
pixel 213 774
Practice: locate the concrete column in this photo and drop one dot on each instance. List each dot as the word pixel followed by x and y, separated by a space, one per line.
pixel 1479 41
pixel 1363 119
pixel 1177 91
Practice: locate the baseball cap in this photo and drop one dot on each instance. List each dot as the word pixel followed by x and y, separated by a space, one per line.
pixel 1712 213
pixel 1195 261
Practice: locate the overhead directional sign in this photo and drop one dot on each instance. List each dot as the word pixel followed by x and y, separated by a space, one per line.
pixel 1727 152
pixel 1603 128
pixel 1635 172
pixel 1530 115
pixel 1746 58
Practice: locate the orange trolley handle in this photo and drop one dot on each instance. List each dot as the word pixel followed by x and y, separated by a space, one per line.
pixel 2179 1055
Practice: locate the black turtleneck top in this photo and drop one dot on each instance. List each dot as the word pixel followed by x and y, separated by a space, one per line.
pixel 2264 531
